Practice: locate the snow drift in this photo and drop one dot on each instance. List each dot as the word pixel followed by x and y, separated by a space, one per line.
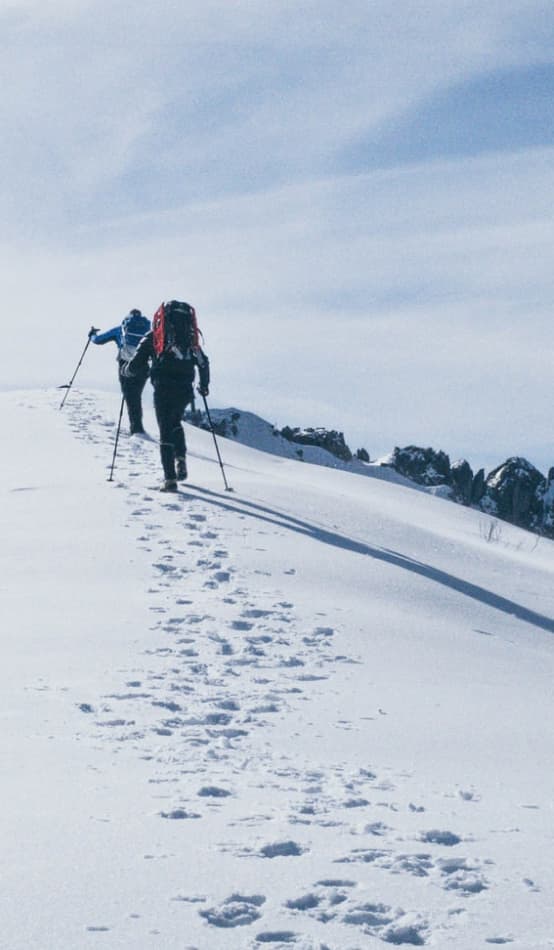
pixel 315 712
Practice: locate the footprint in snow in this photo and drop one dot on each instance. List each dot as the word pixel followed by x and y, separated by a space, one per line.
pixel 391 926
pixel 256 613
pixel 230 704
pixel 241 625
pixel 221 577
pixel 531 885
pixel 277 936
pixel 179 814
pixel 460 874
pixel 446 838
pixel 213 791
pixel 281 849
pixel 165 568
pixel 323 907
pixel 235 911
pixel 468 795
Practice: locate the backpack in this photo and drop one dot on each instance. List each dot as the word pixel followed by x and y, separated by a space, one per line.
pixel 175 330
pixel 133 328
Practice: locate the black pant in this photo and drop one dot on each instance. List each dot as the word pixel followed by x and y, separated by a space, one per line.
pixel 131 388
pixel 170 402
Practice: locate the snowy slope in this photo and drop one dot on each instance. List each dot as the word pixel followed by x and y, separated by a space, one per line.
pixel 250 429
pixel 313 712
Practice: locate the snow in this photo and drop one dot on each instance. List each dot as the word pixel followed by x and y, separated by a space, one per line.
pixel 314 712
pixel 252 430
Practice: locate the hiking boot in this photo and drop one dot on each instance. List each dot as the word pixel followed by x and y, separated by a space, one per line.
pixel 181 468
pixel 169 484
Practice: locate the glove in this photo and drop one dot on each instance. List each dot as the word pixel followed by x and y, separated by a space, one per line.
pixel 203 390
pixel 92 332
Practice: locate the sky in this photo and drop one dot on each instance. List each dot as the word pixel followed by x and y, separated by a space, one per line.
pixel 357 199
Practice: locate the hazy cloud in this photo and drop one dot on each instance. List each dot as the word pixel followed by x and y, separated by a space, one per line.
pixel 323 180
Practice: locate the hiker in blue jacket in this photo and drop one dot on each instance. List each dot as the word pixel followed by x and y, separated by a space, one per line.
pixel 127 337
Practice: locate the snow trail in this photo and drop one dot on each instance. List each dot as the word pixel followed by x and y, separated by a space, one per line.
pixel 285 807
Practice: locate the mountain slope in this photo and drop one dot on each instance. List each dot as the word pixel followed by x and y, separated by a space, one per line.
pixel 313 712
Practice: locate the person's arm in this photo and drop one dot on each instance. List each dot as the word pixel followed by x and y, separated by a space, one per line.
pixel 139 363
pixel 203 365
pixel 106 337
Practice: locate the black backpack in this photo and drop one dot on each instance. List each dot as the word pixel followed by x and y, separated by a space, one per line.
pixel 175 330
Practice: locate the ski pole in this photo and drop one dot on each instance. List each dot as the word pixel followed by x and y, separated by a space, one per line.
pixel 215 443
pixel 110 479
pixel 68 385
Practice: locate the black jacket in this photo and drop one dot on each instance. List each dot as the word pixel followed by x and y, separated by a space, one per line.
pixel 169 367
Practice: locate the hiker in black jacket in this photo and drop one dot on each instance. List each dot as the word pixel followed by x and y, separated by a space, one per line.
pixel 172 351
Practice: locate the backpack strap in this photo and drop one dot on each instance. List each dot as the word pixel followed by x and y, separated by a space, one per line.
pixel 158 330
pixel 195 330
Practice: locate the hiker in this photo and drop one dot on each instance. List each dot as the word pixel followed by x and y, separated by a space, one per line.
pixel 172 351
pixel 127 336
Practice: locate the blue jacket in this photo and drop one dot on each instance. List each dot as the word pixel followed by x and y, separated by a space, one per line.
pixel 127 336
pixel 109 335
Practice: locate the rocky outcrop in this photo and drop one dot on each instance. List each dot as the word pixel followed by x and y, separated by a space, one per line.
pixel 424 466
pixel 327 439
pixel 515 491
pixel 461 479
pixel 548 506
pixel 317 446
pixel 478 487
pixel 224 424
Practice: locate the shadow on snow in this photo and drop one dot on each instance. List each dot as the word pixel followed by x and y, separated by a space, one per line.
pixel 282 520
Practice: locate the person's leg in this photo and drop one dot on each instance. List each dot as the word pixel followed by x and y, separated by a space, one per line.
pixel 182 399
pixel 177 431
pixel 165 415
pixel 132 392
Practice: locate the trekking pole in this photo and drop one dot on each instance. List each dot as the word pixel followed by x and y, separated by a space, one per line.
pixel 67 386
pixel 215 443
pixel 110 479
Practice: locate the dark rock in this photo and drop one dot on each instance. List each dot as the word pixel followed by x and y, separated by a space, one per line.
pixel 223 425
pixel 362 455
pixel 548 506
pixel 514 491
pixel 461 479
pixel 327 439
pixel 478 487
pixel 424 466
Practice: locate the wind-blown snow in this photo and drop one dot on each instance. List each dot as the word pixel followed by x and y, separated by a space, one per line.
pixel 313 712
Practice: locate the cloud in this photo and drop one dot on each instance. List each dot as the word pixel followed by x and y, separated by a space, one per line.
pixel 114 106
pixel 260 159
